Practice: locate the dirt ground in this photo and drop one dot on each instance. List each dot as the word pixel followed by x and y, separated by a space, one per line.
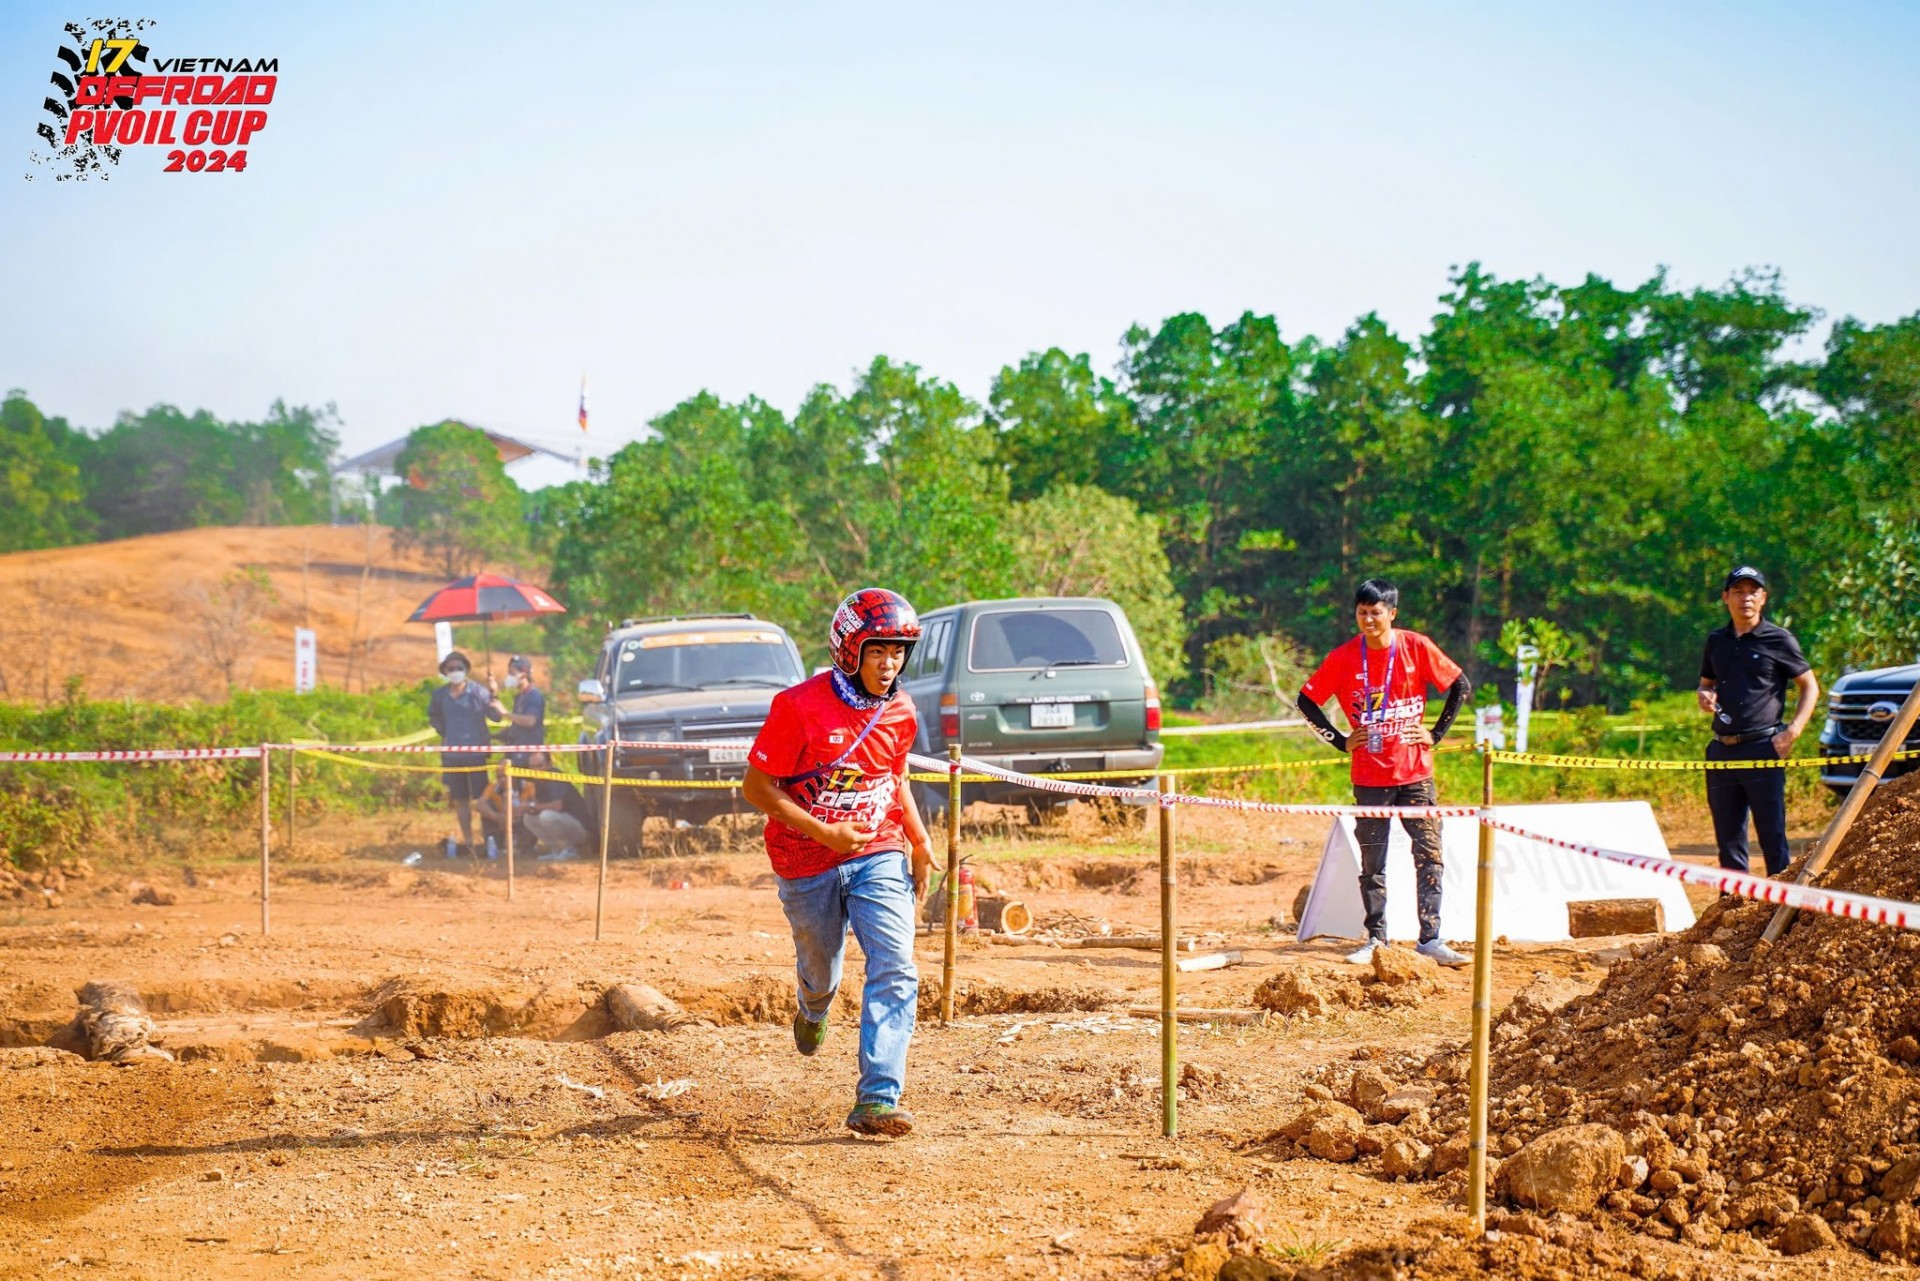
pixel 127 617
pixel 391 1083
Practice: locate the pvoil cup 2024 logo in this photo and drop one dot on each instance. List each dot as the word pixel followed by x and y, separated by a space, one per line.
pixel 112 93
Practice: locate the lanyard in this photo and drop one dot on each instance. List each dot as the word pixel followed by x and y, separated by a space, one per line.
pixel 1366 688
pixel 834 764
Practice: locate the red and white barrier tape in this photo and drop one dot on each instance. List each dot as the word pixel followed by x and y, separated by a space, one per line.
pixel 142 754
pixel 1069 788
pixel 421 749
pixel 1807 898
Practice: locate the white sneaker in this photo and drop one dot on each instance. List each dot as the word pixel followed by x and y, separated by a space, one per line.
pixel 1363 955
pixel 1438 952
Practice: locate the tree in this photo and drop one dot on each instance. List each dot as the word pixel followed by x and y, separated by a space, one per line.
pixel 1081 541
pixel 229 614
pixel 1862 612
pixel 41 495
pixel 457 501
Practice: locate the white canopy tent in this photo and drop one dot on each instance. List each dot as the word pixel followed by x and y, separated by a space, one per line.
pixel 1533 882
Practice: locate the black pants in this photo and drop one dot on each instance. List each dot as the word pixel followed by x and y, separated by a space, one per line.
pixel 1372 834
pixel 1733 793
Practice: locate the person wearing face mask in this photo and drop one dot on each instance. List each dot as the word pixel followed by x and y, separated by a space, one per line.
pixel 458 713
pixel 527 722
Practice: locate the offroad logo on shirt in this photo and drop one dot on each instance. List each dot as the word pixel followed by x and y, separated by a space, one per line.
pixel 847 794
pixel 1371 708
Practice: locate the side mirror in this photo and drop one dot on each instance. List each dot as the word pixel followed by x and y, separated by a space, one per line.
pixel 592 691
pixel 818 670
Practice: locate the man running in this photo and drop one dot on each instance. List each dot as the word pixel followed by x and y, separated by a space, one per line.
pixel 1380 678
pixel 829 771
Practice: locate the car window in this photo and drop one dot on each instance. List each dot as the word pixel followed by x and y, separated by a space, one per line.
pixel 933 650
pixel 1014 640
pixel 700 660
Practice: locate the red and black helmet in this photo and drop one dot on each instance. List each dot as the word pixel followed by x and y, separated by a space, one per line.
pixel 870 614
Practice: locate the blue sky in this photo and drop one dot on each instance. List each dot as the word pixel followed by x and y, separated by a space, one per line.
pixel 459 209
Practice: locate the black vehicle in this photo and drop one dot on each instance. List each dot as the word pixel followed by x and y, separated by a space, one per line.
pixel 1860 707
pixel 681 679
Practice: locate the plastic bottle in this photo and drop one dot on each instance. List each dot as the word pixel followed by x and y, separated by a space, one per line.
pixel 493 847
pixel 968 910
pixel 453 848
pixel 412 860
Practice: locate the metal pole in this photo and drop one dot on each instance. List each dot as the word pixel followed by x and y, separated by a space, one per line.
pixel 606 830
pixel 266 833
pixel 952 882
pixel 1169 1024
pixel 510 827
pixel 1482 1008
pixel 1856 800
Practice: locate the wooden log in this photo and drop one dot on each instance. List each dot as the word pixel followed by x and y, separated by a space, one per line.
pixel 1600 917
pixel 114 1026
pixel 1139 942
pixel 635 1007
pixel 1188 1014
pixel 1007 915
pixel 1210 961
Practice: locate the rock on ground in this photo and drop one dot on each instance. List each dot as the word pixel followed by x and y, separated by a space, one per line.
pixel 1566 1169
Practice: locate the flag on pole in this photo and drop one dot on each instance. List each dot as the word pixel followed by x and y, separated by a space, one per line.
pixel 583 402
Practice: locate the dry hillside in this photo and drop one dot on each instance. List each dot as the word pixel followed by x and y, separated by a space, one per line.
pixel 159 617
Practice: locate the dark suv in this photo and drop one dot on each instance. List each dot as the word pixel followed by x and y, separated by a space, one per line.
pixel 682 679
pixel 1859 708
pixel 1053 684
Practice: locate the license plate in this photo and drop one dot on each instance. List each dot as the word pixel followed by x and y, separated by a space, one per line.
pixel 727 755
pixel 1050 715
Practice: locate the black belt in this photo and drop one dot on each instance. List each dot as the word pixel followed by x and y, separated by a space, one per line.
pixel 1735 740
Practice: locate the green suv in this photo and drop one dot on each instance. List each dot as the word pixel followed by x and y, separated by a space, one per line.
pixel 1038 685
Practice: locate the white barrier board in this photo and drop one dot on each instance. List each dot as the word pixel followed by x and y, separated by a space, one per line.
pixel 1533 883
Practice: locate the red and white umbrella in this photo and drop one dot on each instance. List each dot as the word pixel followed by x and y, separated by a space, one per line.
pixel 483 598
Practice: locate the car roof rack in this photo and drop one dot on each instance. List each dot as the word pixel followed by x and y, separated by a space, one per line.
pixel 681 618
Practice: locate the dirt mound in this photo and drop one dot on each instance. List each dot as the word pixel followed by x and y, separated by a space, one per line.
pixel 757 998
pixel 991 998
pixel 407 1008
pixel 1400 977
pixel 1754 1085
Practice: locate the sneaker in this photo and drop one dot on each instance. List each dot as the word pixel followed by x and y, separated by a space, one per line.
pixel 1363 955
pixel 808 1035
pixel 879 1118
pixel 1435 950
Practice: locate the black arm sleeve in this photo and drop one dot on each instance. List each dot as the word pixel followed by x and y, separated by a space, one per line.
pixel 1321 725
pixel 1456 695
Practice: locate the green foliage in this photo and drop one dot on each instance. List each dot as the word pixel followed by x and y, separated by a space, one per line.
pixel 1553 647
pixel 1870 601
pixel 1254 677
pixel 457 501
pixel 163 470
pixel 1080 541
pixel 42 499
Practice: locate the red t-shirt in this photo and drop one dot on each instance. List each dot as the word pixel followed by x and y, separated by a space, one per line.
pixel 809 726
pixel 1358 678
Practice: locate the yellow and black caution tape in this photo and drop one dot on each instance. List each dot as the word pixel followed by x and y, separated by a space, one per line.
pixel 1545 760
pixel 364 763
pixel 597 780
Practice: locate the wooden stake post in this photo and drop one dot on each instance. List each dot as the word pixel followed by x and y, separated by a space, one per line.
pixel 1482 1009
pixel 952 883
pixel 606 833
pixel 266 833
pixel 1169 973
pixel 508 766
pixel 1856 800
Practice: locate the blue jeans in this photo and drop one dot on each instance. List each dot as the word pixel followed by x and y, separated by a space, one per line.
pixel 873 893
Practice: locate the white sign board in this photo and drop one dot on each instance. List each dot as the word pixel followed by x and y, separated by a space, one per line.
pixel 306 660
pixel 1533 882
pixel 1528 662
pixel 1489 728
pixel 442 642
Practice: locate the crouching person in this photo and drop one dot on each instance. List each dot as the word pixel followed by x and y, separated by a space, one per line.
pixel 829 771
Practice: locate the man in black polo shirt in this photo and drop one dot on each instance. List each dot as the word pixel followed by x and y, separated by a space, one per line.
pixel 1743 685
